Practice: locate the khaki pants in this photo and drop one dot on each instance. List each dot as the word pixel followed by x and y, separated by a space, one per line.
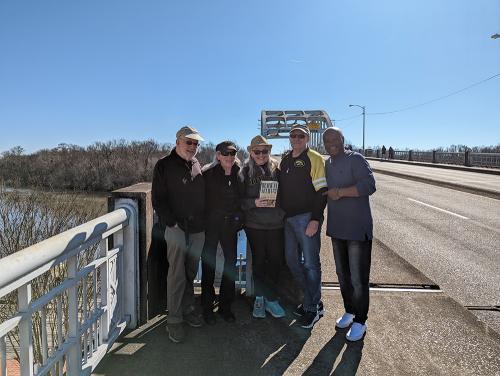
pixel 183 264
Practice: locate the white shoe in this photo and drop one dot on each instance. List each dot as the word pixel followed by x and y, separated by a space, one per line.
pixel 356 332
pixel 344 321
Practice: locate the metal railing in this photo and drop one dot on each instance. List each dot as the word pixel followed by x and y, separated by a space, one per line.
pixel 422 156
pixel 95 298
pixel 466 158
pixel 485 159
pixel 243 266
pixel 450 158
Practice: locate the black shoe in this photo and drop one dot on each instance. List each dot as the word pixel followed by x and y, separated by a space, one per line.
pixel 228 316
pixel 209 318
pixel 299 311
pixel 321 309
pixel 309 319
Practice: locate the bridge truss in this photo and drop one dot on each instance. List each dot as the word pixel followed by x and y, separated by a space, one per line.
pixel 278 123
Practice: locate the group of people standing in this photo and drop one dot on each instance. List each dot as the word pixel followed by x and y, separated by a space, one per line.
pixel 384 152
pixel 203 207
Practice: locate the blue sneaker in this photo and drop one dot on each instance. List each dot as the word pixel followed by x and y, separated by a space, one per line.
pixel 274 308
pixel 259 311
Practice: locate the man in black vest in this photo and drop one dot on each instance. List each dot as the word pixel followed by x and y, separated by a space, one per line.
pixel 178 195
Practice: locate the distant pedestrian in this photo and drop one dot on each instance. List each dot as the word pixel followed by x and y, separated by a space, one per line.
pixel 391 152
pixel 302 183
pixel 223 218
pixel 350 226
pixel 383 151
pixel 178 195
pixel 264 227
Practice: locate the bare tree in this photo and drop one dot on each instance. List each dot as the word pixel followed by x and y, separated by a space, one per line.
pixel 27 218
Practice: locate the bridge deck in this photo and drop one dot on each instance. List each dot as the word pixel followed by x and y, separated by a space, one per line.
pixel 425 333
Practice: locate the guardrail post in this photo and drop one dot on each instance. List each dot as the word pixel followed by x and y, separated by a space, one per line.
pixel 75 352
pixel 150 269
pixel 434 160
pixel 130 257
pixel 467 158
pixel 25 333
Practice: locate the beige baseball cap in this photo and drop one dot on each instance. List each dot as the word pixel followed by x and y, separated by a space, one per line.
pixel 189 132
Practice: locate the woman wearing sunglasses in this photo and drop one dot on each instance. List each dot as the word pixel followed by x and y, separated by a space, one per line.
pixel 263 226
pixel 223 221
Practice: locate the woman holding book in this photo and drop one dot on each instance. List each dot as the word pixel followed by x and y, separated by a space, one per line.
pixel 263 225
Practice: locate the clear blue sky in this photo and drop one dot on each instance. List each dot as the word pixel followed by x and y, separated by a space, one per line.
pixel 84 71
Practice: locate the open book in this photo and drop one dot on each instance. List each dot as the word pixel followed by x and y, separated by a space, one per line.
pixel 269 191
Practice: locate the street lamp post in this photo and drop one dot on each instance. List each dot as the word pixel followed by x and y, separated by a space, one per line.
pixel 364 117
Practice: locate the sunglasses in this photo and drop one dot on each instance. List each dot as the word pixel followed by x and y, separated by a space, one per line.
pixel 189 142
pixel 259 152
pixel 225 153
pixel 300 135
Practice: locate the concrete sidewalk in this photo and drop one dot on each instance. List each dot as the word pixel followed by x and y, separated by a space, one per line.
pixel 481 170
pixel 467 179
pixel 410 332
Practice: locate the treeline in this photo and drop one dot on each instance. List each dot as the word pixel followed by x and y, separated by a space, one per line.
pixel 102 166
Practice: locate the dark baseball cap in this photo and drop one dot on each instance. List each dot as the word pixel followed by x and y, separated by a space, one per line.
pixel 226 145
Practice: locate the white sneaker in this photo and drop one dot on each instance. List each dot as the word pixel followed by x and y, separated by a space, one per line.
pixel 344 321
pixel 356 332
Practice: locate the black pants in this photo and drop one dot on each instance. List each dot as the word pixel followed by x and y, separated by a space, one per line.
pixel 267 260
pixel 352 263
pixel 219 230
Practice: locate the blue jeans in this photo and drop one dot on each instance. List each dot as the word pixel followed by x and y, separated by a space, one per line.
pixel 352 263
pixel 302 257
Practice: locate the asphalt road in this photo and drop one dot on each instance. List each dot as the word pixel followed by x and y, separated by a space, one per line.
pixel 452 237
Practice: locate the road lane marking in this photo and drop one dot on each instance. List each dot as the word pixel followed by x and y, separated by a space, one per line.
pixel 388 289
pixel 436 208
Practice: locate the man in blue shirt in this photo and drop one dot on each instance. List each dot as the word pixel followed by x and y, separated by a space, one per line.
pixel 350 183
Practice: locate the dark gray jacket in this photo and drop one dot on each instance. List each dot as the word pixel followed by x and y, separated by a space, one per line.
pixel 260 218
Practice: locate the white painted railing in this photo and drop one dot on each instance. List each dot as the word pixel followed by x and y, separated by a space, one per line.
pixel 95 299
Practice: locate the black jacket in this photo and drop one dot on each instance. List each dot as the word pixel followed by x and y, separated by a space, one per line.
pixel 302 184
pixel 222 192
pixel 178 193
pixel 260 218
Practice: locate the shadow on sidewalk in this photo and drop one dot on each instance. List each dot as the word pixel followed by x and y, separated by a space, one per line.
pixel 328 358
pixel 247 347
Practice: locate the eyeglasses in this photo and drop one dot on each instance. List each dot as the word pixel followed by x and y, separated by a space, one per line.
pixel 259 152
pixel 189 142
pixel 225 153
pixel 298 135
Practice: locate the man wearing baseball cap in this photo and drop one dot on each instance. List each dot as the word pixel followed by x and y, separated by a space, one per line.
pixel 302 183
pixel 178 195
